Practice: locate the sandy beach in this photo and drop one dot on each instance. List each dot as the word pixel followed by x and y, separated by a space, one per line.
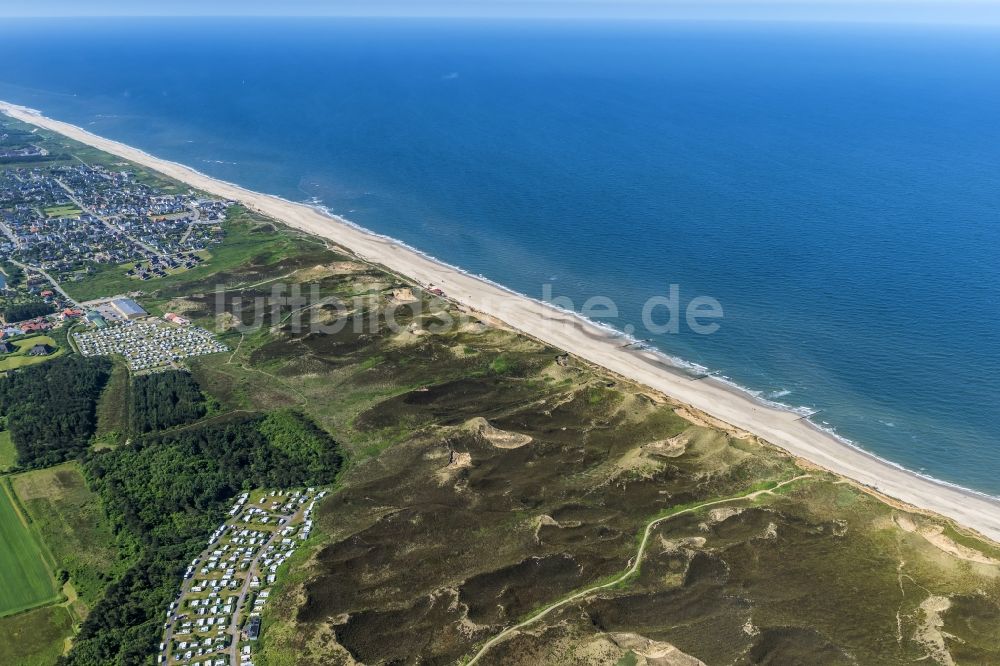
pixel 584 340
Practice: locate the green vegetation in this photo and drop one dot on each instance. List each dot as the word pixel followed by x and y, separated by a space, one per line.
pixel 20 358
pixel 36 637
pixel 164 494
pixel 164 400
pixel 8 454
pixel 504 365
pixel 298 438
pixel 50 408
pixel 67 210
pixel 25 311
pixel 14 273
pixel 70 521
pixel 629 659
pixel 25 573
pixel 112 408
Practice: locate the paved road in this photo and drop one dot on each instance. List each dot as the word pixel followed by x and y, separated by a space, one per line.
pixel 52 280
pixel 187 232
pixel 254 570
pixel 9 233
pixel 168 635
pixel 108 223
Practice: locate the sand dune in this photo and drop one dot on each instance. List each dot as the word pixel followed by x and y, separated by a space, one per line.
pixel 586 341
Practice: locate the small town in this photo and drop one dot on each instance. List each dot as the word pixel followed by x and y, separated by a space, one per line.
pixel 69 220
pixel 63 220
pixel 215 621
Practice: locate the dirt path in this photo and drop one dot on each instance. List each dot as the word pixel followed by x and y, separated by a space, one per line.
pixel 237 350
pixel 636 561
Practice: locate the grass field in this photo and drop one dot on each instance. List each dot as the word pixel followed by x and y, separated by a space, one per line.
pixel 112 410
pixel 68 210
pixel 35 638
pixel 25 575
pixel 8 454
pixel 68 518
pixel 20 358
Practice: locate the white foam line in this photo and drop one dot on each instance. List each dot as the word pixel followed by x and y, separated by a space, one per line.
pixel 720 397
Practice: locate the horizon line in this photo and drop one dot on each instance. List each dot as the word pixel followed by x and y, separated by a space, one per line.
pixel 992 21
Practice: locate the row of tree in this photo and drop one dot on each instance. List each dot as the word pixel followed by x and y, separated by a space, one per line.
pixel 165 493
pixel 25 311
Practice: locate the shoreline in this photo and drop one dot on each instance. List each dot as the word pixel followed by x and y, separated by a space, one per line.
pixel 586 340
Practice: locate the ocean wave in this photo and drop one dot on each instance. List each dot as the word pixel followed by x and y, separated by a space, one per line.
pixel 829 430
pixel 628 339
pixel 680 364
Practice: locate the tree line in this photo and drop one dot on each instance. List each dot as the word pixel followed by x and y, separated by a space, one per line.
pixel 51 408
pixel 25 311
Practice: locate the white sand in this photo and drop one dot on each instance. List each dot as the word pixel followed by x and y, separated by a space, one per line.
pixel 589 342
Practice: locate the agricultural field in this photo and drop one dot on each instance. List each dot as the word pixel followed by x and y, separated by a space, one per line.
pixel 60 527
pixel 20 358
pixel 26 579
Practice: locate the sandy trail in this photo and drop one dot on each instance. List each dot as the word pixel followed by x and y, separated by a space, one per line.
pixel 587 341
pixel 636 561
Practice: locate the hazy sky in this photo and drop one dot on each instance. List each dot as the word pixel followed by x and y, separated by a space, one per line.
pixel 933 11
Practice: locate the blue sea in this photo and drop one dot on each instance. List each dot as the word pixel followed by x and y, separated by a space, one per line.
pixel 836 188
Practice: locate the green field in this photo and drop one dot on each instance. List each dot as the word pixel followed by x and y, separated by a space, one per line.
pixel 25 575
pixel 8 454
pixel 67 516
pixel 112 410
pixel 35 638
pixel 68 210
pixel 20 358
